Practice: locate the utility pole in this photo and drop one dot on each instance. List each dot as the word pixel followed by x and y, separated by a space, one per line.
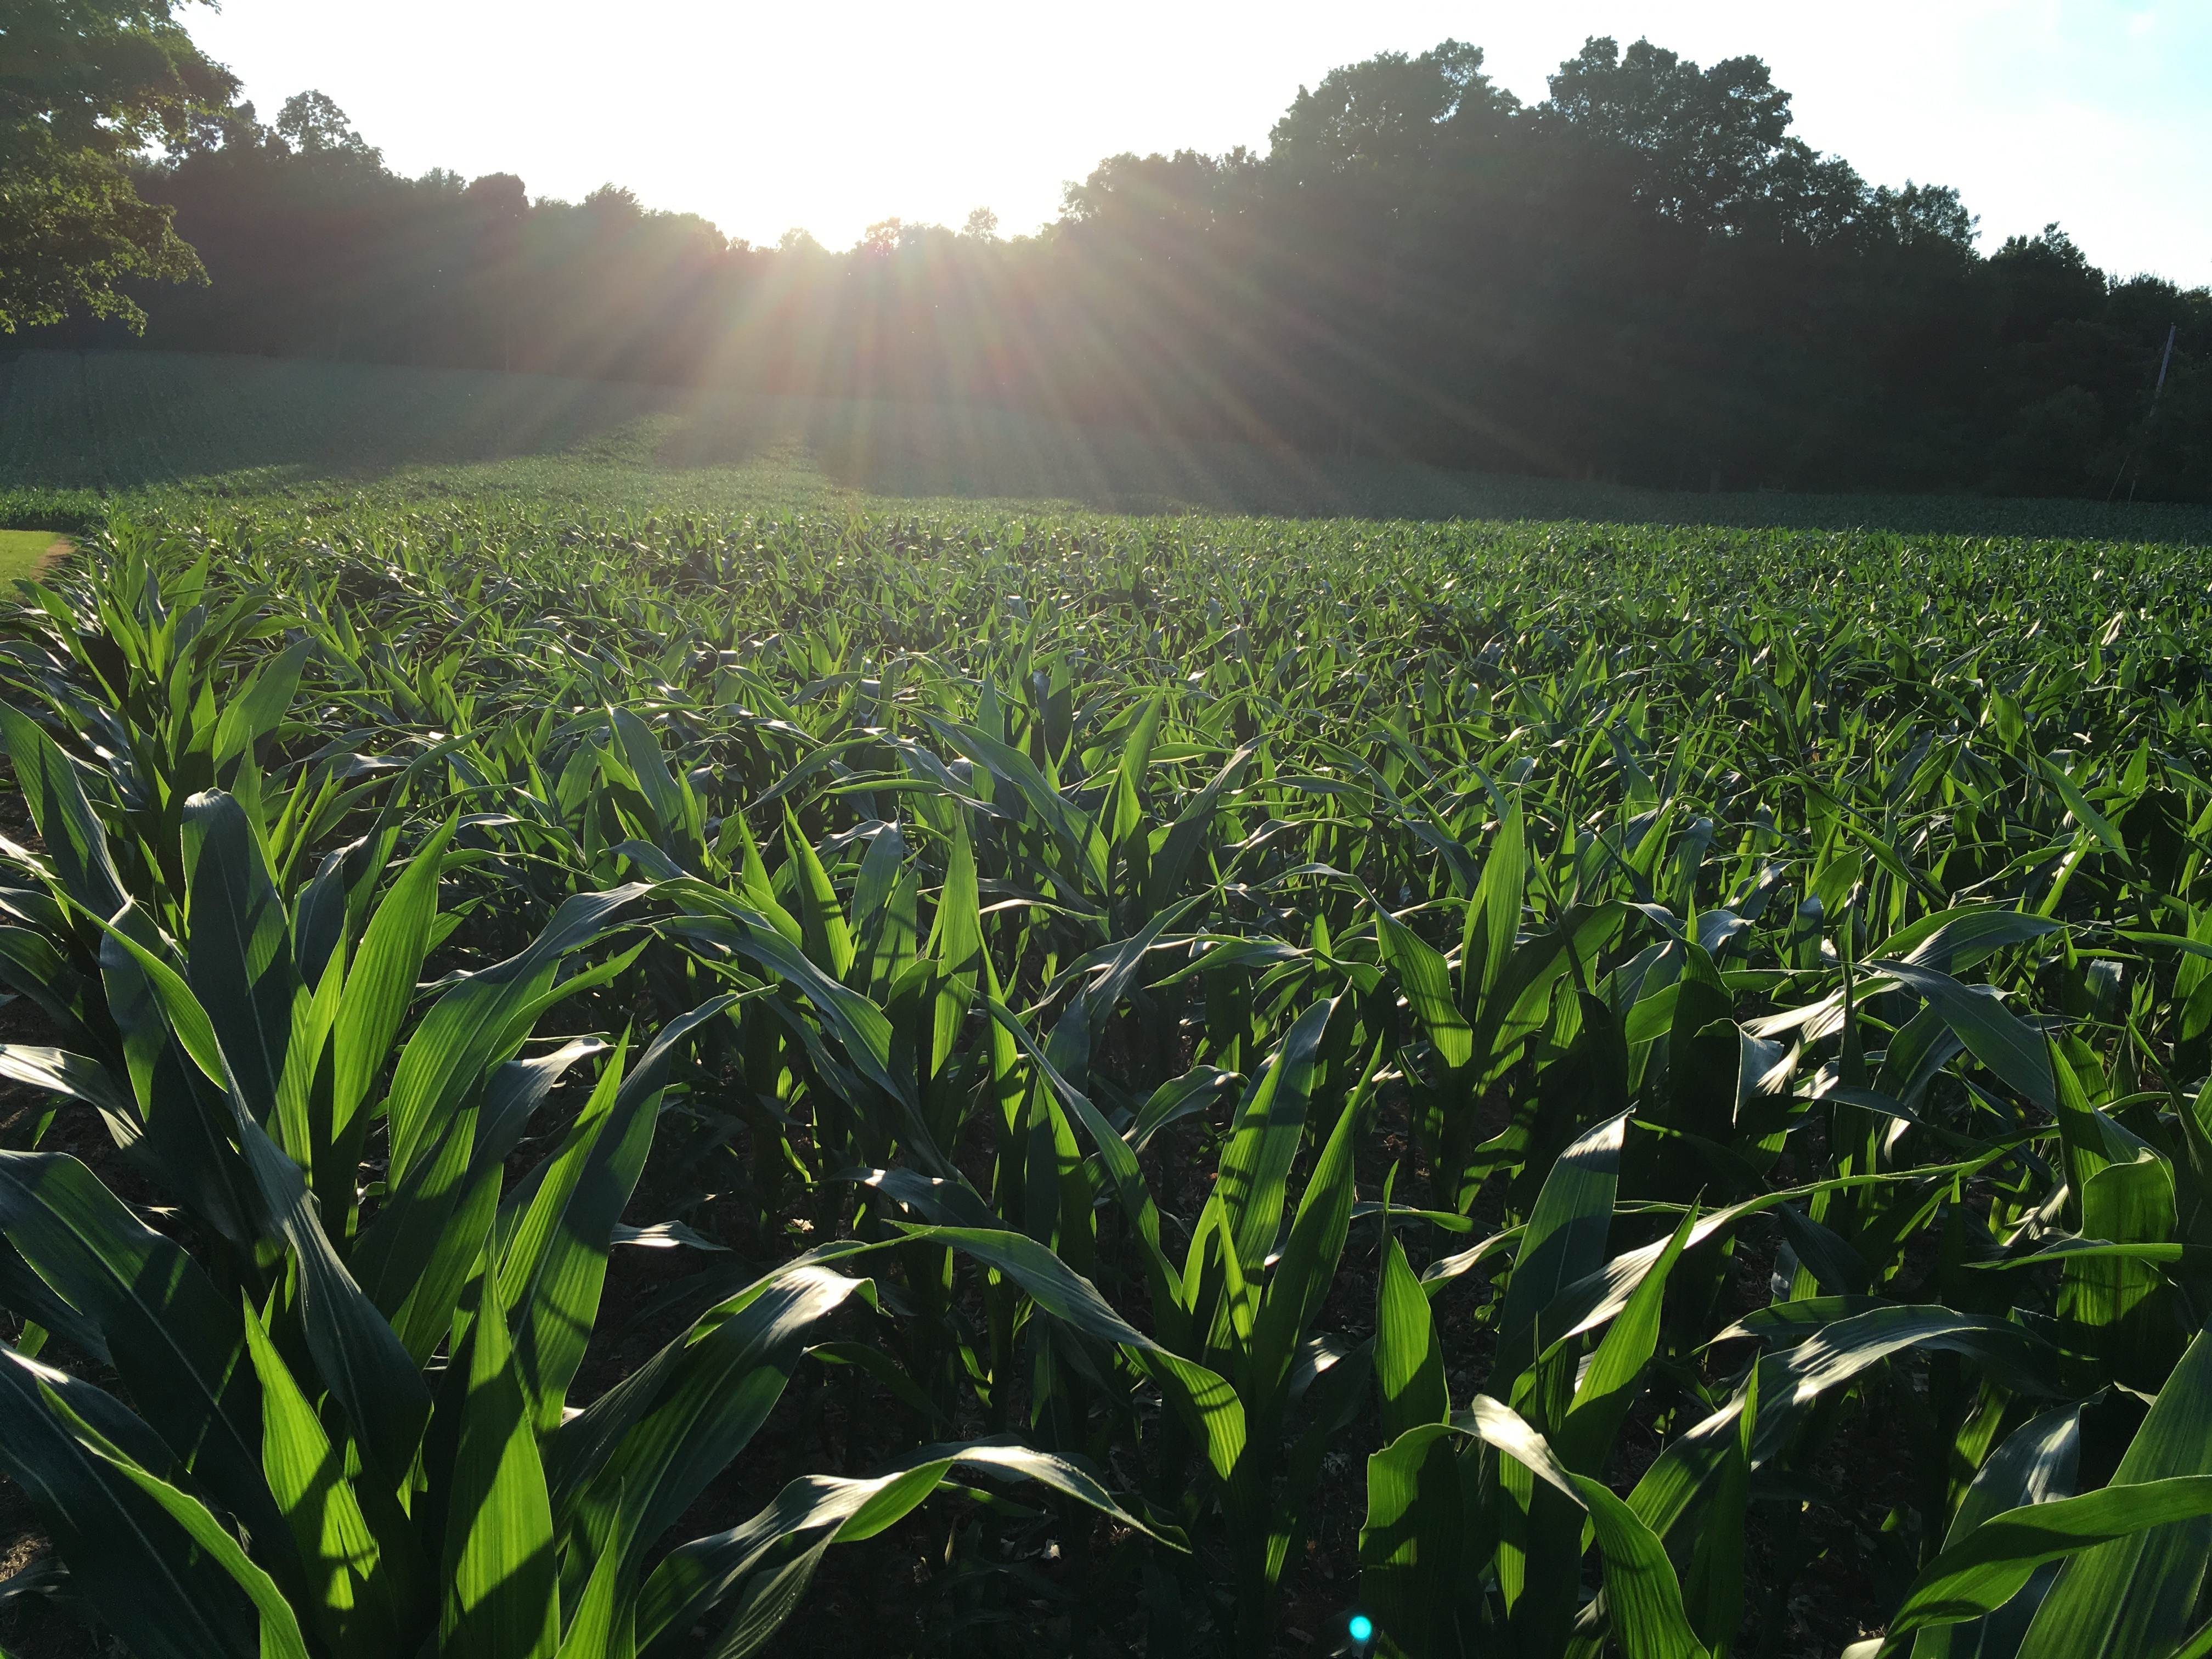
pixel 2165 358
pixel 2164 361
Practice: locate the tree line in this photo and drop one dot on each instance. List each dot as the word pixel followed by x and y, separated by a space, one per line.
pixel 1644 276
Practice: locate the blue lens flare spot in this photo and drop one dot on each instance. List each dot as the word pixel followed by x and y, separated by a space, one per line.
pixel 1361 1628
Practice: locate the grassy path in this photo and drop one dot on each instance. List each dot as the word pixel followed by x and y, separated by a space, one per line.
pixel 21 551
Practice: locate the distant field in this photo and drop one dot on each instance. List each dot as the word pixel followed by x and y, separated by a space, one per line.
pixel 250 427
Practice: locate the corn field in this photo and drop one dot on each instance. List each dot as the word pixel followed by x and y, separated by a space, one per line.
pixel 1243 1088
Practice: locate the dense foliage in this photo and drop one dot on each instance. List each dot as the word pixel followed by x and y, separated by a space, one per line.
pixel 1643 277
pixel 1589 1078
pixel 83 85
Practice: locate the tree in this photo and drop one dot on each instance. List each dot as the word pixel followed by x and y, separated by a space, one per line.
pixel 1927 215
pixel 1184 193
pixel 313 124
pixel 2046 280
pixel 1392 110
pixel 614 204
pixel 84 84
pixel 1710 143
pixel 498 196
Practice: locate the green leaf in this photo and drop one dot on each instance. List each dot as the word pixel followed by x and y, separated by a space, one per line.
pixel 1608 1388
pixel 300 1120
pixel 857 1024
pixel 828 940
pixel 1500 1426
pixel 555 1263
pixel 76 841
pixel 1643 1596
pixel 1331 1401
pixel 887 912
pixel 623 1469
pixel 1128 792
pixel 473 1026
pixel 173 1337
pixel 1426 981
pixel 1954 941
pixel 413 1260
pixel 2133 1597
pixel 516 1090
pixel 1416 1513
pixel 1066 824
pixel 540 1313
pixel 1270 1125
pixel 239 951
pixel 754 884
pixel 1980 1574
pixel 2084 814
pixel 1208 1403
pixel 1307 1269
pixel 502 1595
pixel 1188 831
pixel 1714 1595
pixel 352 1592
pixel 1493 917
pixel 1194 1091
pixel 1409 1360
pixel 187 1141
pixel 818 1510
pixel 1564 1242
pixel 1642 1591
pixel 956 942
pixel 280 1633
pixel 1789 1382
pixel 31 966
pixel 641 753
pixel 591 1628
pixel 380 986
pixel 63 1073
pixel 257 708
pixel 2014 1051
pixel 361 1359
pixel 2037 1463
pixel 2121 1303
pixel 1119 1161
pixel 122 1548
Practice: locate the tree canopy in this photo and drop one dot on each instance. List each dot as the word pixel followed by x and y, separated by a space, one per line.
pixel 1392 112
pixel 84 84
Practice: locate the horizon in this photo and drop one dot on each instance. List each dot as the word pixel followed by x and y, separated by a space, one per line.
pixel 2089 116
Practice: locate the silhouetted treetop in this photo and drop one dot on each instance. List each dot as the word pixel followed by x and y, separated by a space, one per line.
pixel 1392 112
pixel 1711 145
pixel 312 123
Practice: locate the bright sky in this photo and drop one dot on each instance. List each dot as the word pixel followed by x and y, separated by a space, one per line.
pixel 764 115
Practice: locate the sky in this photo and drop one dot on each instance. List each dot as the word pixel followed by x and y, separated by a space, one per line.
pixel 762 117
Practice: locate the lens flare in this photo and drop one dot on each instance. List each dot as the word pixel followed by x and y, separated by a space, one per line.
pixel 1361 1628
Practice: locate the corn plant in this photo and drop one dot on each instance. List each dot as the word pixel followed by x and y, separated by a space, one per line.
pixel 1443 1088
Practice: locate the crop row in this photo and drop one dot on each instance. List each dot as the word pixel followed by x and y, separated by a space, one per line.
pixel 1559 1062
